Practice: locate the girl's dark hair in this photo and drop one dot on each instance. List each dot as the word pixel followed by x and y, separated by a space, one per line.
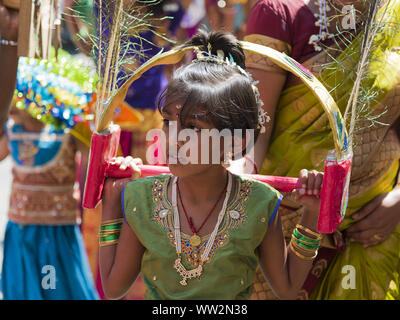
pixel 214 92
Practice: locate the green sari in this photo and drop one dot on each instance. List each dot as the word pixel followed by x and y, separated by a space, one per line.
pixel 302 138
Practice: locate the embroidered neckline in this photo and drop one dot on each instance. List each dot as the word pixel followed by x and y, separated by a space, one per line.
pixel 235 217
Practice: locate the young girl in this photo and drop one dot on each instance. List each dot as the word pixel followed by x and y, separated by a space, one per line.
pixel 201 232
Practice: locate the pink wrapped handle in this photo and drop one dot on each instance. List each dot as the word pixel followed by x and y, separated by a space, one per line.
pixel 282 184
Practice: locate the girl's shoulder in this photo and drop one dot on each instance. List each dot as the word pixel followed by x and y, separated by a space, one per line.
pixel 140 198
pixel 143 184
pixel 259 188
pixel 262 200
pixel 143 191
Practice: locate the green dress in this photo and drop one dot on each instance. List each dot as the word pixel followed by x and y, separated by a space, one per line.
pixel 229 272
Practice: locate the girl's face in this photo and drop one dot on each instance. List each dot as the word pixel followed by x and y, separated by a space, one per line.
pixel 186 152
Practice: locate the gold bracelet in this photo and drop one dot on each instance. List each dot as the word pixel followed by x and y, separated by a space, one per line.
pixel 108 243
pixel 108 233
pixel 301 248
pixel 300 255
pixel 315 234
pixel 107 222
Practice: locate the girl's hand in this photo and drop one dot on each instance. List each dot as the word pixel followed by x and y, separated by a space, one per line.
pixel 308 194
pixel 111 197
pixel 126 162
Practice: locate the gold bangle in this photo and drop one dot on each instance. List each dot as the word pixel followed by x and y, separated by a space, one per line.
pixel 108 243
pixel 108 233
pixel 111 231
pixel 300 255
pixel 304 249
pixel 108 222
pixel 315 234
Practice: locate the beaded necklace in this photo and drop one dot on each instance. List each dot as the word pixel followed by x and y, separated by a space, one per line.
pixel 195 273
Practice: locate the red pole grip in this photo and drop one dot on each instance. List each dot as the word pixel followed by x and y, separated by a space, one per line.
pixel 282 184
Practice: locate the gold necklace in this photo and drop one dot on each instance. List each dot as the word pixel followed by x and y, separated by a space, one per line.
pixel 195 239
pixel 180 268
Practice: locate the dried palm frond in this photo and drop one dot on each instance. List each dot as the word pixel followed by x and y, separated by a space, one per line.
pixel 372 25
pixel 353 56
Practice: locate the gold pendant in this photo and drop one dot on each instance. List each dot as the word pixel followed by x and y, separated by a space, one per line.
pixel 195 240
pixel 195 273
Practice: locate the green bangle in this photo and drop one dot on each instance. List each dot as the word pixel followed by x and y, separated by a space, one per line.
pixel 304 245
pixel 111 227
pixel 305 239
pixel 111 237
pixel 293 243
pixel 104 234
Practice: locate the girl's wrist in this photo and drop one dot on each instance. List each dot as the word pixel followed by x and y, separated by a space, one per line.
pixel 110 212
pixel 309 220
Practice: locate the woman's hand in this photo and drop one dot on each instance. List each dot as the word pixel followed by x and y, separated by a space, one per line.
pixel 111 197
pixel 376 220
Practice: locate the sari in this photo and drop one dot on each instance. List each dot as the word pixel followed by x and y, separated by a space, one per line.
pixel 302 137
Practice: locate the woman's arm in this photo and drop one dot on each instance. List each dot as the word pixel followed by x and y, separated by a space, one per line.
pixel 270 87
pixel 284 270
pixel 120 263
pixel 8 60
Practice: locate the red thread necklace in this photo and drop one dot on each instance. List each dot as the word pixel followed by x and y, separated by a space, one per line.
pixel 195 239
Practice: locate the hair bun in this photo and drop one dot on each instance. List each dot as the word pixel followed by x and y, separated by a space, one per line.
pixel 218 40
